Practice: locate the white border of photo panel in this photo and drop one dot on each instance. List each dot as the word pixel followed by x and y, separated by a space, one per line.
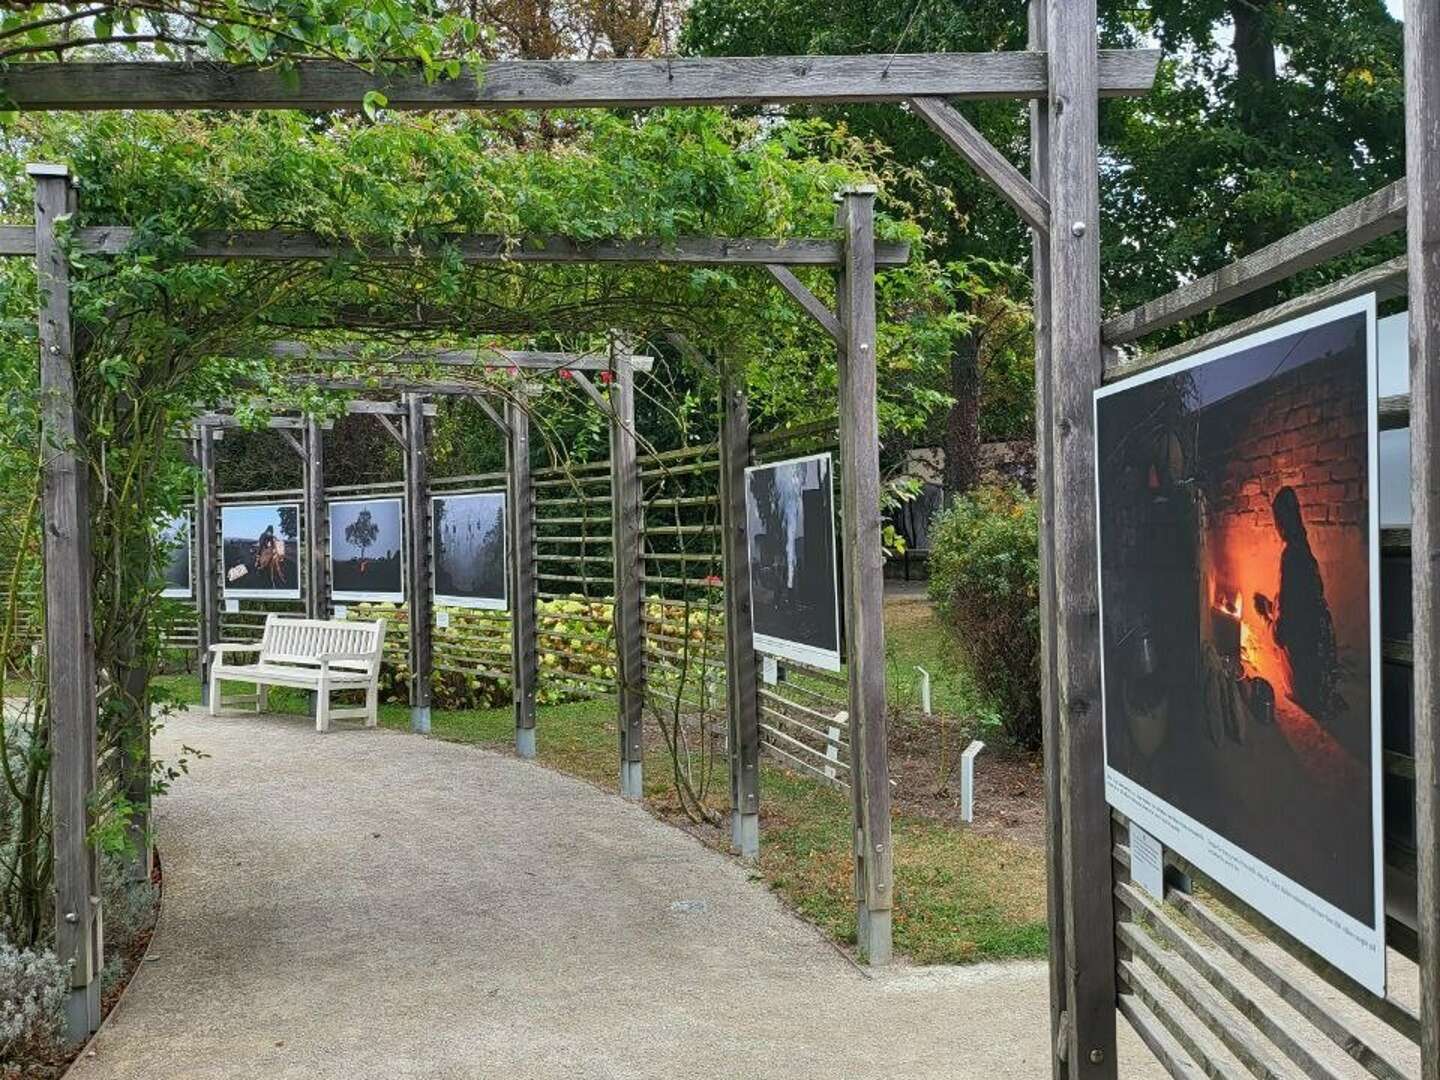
pixel 781 647
pixel 170 592
pixel 226 592
pixel 1352 946
pixel 474 603
pixel 361 597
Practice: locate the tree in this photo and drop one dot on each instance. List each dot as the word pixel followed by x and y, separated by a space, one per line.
pixel 362 532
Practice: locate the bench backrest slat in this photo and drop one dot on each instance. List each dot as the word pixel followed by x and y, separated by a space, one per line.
pixel 292 640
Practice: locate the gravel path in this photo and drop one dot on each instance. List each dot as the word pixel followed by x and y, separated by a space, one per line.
pixel 371 904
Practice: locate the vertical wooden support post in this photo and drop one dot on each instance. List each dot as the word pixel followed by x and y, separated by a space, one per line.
pixel 69 634
pixel 1075 372
pixel 524 657
pixel 626 523
pixel 1040 273
pixel 417 560
pixel 864 572
pixel 1422 152
pixel 317 523
pixel 207 587
pixel 742 705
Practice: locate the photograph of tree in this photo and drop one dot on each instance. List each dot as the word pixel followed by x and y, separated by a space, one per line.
pixel 175 540
pixel 1239 541
pixel 790 508
pixel 260 550
pixel 469 538
pixel 367 537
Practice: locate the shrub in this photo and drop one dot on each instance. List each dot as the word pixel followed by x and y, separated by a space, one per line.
pixel 985 580
pixel 32 1001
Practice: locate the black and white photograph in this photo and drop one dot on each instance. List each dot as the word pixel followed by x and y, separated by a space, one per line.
pixel 790 510
pixel 469 538
pixel 175 541
pixel 367 539
pixel 1239 546
pixel 260 549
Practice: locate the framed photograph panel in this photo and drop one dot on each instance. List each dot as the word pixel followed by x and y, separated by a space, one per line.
pixel 790 511
pixel 175 538
pixel 260 551
pixel 468 534
pixel 367 542
pixel 1240 633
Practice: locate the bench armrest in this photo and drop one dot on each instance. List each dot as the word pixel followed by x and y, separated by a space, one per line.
pixel 331 657
pixel 232 646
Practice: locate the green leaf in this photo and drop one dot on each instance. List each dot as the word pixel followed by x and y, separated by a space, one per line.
pixel 374 101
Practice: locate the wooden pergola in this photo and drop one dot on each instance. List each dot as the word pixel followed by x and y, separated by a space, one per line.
pixel 1063 74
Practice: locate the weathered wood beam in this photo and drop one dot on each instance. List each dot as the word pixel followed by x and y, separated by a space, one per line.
pixel 417 551
pixel 69 633
pixel 967 141
pixel 1422 152
pixel 207 577
pixel 396 435
pixel 524 592
pixel 317 521
pixel 807 300
pixel 559 84
pixel 627 525
pixel 1075 374
pixel 863 561
pixel 1378 214
pixel 489 410
pixel 291 440
pixel 498 359
pixel 1387 280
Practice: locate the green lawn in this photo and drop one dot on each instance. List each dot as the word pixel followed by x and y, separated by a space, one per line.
pixel 960 896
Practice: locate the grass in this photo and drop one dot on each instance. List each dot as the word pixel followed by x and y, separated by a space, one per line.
pixel 960 896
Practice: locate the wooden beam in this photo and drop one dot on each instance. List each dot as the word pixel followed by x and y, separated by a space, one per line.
pixel 1378 214
pixel 69 623
pixel 864 580
pixel 217 421
pixel 807 300
pixel 1044 490
pixel 1387 280
pixel 383 408
pixel 627 523
pixel 391 384
pixel 207 578
pixel 490 411
pixel 1075 374
pixel 595 396
pixel 394 432
pixel 742 706
pixel 291 440
pixel 557 84
pixel 317 521
pixel 498 359
pixel 967 141
pixel 524 591
pixel 417 550
pixel 280 245
pixel 1422 152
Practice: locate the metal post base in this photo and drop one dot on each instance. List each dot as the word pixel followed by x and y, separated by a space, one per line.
pixel 420 719
pixel 632 784
pixel 872 936
pixel 204 688
pixel 525 742
pixel 745 834
pixel 82 1012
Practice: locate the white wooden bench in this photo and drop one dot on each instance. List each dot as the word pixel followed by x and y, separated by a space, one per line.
pixel 314 654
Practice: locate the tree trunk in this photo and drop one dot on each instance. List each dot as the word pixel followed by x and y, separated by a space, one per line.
pixel 1254 106
pixel 962 427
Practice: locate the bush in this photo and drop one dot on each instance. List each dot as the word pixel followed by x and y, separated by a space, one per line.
pixel 985 580
pixel 33 985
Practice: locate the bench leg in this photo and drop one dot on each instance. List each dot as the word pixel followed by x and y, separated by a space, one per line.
pixel 214 689
pixel 372 705
pixel 322 705
pixel 262 697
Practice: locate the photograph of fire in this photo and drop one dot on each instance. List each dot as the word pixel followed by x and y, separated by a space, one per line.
pixel 260 547
pixel 790 506
pixel 175 541
pixel 366 539
pixel 469 538
pixel 1238 548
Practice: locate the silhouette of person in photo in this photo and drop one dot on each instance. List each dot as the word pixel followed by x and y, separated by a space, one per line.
pixel 1303 626
pixel 270 554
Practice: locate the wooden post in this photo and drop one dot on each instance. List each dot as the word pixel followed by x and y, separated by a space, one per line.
pixel 1422 152
pixel 1088 1027
pixel 864 567
pixel 69 634
pixel 417 560
pixel 1050 710
pixel 741 699
pixel 317 524
pixel 626 523
pixel 524 657
pixel 207 590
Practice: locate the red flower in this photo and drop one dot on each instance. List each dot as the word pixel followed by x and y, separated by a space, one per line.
pixel 607 377
pixel 565 373
pixel 714 580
